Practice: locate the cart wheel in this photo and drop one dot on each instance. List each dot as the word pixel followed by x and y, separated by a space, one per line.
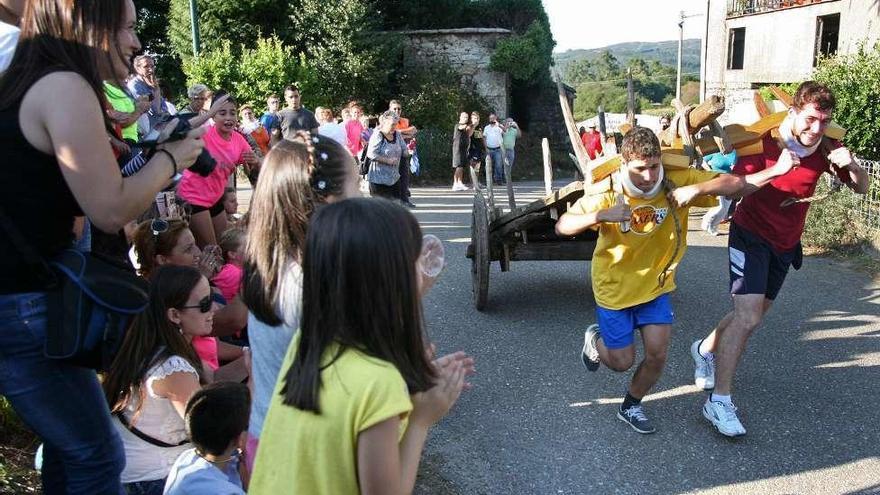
pixel 480 260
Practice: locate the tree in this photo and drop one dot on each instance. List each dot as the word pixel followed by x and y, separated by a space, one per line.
pixel 249 73
pixel 339 43
pixel 607 67
pixel 241 21
pixel 855 81
pixel 579 71
pixel 526 57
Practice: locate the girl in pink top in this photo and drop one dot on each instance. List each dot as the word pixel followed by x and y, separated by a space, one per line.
pixel 353 130
pixel 205 194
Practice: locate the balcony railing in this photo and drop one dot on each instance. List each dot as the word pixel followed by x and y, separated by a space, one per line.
pixel 744 7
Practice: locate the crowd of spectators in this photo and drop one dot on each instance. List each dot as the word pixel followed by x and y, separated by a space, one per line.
pixel 117 172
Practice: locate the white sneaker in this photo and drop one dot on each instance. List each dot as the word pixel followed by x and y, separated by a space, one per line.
pixel 723 417
pixel 704 369
pixel 459 187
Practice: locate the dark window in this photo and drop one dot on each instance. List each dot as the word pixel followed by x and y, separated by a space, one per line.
pixel 736 48
pixel 827 29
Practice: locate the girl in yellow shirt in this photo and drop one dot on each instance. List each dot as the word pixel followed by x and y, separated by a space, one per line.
pixel 358 390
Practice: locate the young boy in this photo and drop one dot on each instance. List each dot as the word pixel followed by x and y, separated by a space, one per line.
pixel 642 237
pixel 216 421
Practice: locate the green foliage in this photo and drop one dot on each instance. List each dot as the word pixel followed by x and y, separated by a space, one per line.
pixel 831 224
pixel 241 21
pixel 249 73
pixel 335 40
pixel 434 96
pixel 663 52
pixel 768 96
pixel 610 95
pixel 525 57
pixel 855 80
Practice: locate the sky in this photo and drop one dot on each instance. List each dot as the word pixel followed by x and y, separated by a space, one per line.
pixel 596 23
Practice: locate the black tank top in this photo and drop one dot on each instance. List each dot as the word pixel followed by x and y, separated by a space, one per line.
pixel 36 199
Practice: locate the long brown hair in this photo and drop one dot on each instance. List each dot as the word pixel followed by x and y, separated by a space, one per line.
pixel 148 245
pixel 294 178
pixel 64 35
pixel 360 291
pixel 152 337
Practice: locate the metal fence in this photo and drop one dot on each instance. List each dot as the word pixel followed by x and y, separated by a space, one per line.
pixel 742 7
pixel 868 205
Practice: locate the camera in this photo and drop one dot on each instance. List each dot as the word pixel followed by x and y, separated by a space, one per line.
pixel 205 163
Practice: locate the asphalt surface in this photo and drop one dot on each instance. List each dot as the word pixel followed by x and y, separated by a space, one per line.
pixel 536 422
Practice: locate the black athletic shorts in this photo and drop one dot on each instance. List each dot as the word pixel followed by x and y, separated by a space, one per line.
pixel 215 209
pixel 755 268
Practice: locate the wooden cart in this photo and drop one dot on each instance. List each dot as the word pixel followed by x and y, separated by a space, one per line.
pixel 526 233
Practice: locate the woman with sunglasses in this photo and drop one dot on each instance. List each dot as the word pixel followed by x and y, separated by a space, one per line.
pixel 58 164
pixel 160 242
pixel 155 373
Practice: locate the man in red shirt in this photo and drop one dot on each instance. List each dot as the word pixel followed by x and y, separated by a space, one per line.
pixel 765 239
pixel 592 142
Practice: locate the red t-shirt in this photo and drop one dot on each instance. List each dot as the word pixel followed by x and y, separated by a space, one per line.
pixel 593 143
pixel 761 214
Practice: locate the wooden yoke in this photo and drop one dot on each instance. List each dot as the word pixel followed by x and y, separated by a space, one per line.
pixel 748 140
pixel 583 160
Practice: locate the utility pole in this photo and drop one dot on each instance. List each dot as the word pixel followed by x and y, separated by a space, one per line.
pixel 681 18
pixel 630 98
pixel 194 22
pixel 680 41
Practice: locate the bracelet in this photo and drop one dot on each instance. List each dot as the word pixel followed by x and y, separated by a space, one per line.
pixel 173 161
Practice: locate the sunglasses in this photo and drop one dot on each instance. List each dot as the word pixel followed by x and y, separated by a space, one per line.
pixel 204 305
pixel 158 226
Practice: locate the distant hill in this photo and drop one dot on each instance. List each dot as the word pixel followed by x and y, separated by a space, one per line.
pixel 665 52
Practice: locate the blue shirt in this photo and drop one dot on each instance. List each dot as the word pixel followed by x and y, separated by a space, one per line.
pixel 270 121
pixel 193 475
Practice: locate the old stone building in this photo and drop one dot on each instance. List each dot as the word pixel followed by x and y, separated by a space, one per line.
pixel 749 43
pixel 469 52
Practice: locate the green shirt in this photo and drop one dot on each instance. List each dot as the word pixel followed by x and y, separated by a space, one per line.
pixel 121 102
pixel 510 136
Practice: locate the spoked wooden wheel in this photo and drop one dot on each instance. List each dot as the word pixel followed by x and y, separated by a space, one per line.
pixel 480 259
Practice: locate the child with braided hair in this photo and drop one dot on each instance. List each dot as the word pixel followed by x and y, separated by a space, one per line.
pixel 298 175
pixel 642 228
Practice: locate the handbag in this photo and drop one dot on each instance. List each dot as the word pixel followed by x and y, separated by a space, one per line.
pixel 91 302
pixel 364 162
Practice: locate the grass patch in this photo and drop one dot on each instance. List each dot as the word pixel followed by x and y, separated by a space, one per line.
pixel 17 447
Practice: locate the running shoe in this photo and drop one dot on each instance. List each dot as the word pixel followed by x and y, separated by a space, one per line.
pixel 723 417
pixel 704 369
pixel 590 353
pixel 635 417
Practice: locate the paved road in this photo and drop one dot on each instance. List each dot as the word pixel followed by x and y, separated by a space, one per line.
pixel 537 423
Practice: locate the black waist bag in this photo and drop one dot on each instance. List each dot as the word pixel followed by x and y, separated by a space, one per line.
pixel 90 309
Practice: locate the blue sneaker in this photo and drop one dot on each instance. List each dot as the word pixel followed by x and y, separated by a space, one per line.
pixel 635 417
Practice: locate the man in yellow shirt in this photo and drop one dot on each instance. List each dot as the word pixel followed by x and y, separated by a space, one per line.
pixel 642 238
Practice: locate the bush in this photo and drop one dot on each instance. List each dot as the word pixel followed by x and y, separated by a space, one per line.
pixel 525 57
pixel 250 73
pixel 831 224
pixel 855 80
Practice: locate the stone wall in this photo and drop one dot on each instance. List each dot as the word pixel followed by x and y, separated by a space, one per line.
pixel 469 52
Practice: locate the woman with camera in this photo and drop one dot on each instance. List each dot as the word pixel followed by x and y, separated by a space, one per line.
pixel 58 164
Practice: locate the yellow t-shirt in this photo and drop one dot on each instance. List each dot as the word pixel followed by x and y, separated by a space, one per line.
pixel 304 453
pixel 626 265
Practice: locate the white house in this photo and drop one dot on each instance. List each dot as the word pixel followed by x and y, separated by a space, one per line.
pixel 751 43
